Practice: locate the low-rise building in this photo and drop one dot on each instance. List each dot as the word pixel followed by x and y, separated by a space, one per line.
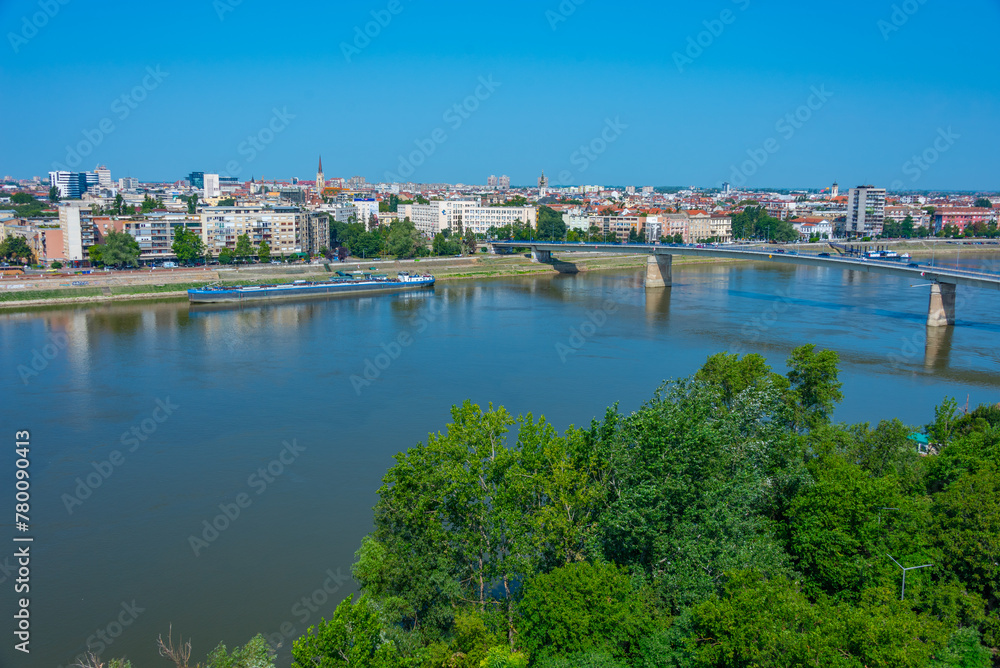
pixel 429 219
pixel 960 217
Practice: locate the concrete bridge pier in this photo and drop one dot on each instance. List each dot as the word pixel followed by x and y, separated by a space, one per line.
pixel 540 255
pixel 659 271
pixel 941 311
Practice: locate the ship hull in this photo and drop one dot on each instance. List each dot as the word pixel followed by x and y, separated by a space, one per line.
pixel 278 292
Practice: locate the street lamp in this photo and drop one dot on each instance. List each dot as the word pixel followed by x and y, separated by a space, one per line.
pixel 902 593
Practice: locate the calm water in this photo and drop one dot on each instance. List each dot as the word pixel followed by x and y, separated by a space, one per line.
pixel 216 394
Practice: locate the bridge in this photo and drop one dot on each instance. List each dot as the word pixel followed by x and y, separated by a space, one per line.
pixel 659 272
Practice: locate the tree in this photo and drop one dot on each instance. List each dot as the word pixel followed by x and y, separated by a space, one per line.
pixel 119 205
pixel 22 198
pixel 187 245
pixel 264 251
pixel 149 204
pixel 255 654
pixel 193 204
pixel 225 256
pixel 550 224
pixel 53 194
pixel 983 203
pixel 469 242
pixel 815 390
pixel 403 239
pixel 352 637
pixel 15 247
pixel 94 254
pixel 442 245
pixel 244 248
pixel 120 249
pixel 584 607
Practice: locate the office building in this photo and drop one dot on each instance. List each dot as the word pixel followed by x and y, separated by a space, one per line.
pixel 71 185
pixel 197 180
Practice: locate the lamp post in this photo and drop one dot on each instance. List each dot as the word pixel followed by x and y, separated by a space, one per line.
pixel 902 593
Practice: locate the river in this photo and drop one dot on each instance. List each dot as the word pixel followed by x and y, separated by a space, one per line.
pixel 150 422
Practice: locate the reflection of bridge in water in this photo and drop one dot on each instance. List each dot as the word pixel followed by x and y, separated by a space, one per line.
pixel 659 271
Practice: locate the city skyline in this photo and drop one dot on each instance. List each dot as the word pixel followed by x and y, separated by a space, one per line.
pixel 683 96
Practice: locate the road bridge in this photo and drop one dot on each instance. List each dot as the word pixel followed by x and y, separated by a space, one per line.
pixel 659 271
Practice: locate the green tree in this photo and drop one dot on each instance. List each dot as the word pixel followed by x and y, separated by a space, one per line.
pixel 119 205
pixel 403 239
pixel 244 248
pixel 53 194
pixel 187 245
pixel 733 375
pixel 264 251
pixel 442 245
pixel 22 198
pixel 15 247
pixel 192 204
pixel 94 254
pixel 150 203
pixel 550 224
pixel 228 201
pixel 352 637
pixel 120 249
pixel 225 256
pixel 584 607
pixel 469 242
pixel 815 390
pixel 983 203
pixel 255 654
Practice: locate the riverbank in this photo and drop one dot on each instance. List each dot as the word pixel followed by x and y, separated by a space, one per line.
pixel 101 287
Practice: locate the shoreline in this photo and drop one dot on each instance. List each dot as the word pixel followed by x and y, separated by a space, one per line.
pixel 454 269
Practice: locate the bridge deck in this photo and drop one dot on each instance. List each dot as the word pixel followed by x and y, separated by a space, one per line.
pixel 976 279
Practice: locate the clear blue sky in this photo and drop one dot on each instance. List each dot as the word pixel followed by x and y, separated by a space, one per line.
pixel 560 81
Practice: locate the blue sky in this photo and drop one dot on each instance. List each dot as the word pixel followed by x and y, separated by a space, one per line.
pixel 626 82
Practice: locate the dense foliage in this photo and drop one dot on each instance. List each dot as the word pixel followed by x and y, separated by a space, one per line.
pixel 728 522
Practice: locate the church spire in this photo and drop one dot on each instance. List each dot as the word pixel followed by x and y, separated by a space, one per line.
pixel 320 170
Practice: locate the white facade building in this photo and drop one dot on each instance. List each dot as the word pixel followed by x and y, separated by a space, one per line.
pixel 212 188
pixel 429 219
pixel 280 227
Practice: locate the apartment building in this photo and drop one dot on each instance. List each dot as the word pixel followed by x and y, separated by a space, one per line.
pixel 278 226
pixel 960 217
pixel 899 213
pixel 315 232
pixel 429 219
pixel 865 211
pixel 78 231
pixel 155 233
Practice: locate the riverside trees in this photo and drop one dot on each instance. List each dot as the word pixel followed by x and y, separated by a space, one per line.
pixel 726 522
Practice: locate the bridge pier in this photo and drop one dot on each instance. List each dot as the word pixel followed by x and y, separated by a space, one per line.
pixel 540 255
pixel 941 311
pixel 659 271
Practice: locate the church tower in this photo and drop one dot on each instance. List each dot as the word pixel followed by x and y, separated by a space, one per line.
pixel 320 181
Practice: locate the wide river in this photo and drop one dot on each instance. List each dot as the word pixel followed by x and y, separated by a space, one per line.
pixel 152 422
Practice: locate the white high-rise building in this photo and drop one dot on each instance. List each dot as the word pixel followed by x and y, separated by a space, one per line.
pixel 503 183
pixel 212 188
pixel 491 182
pixel 128 183
pixel 865 211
